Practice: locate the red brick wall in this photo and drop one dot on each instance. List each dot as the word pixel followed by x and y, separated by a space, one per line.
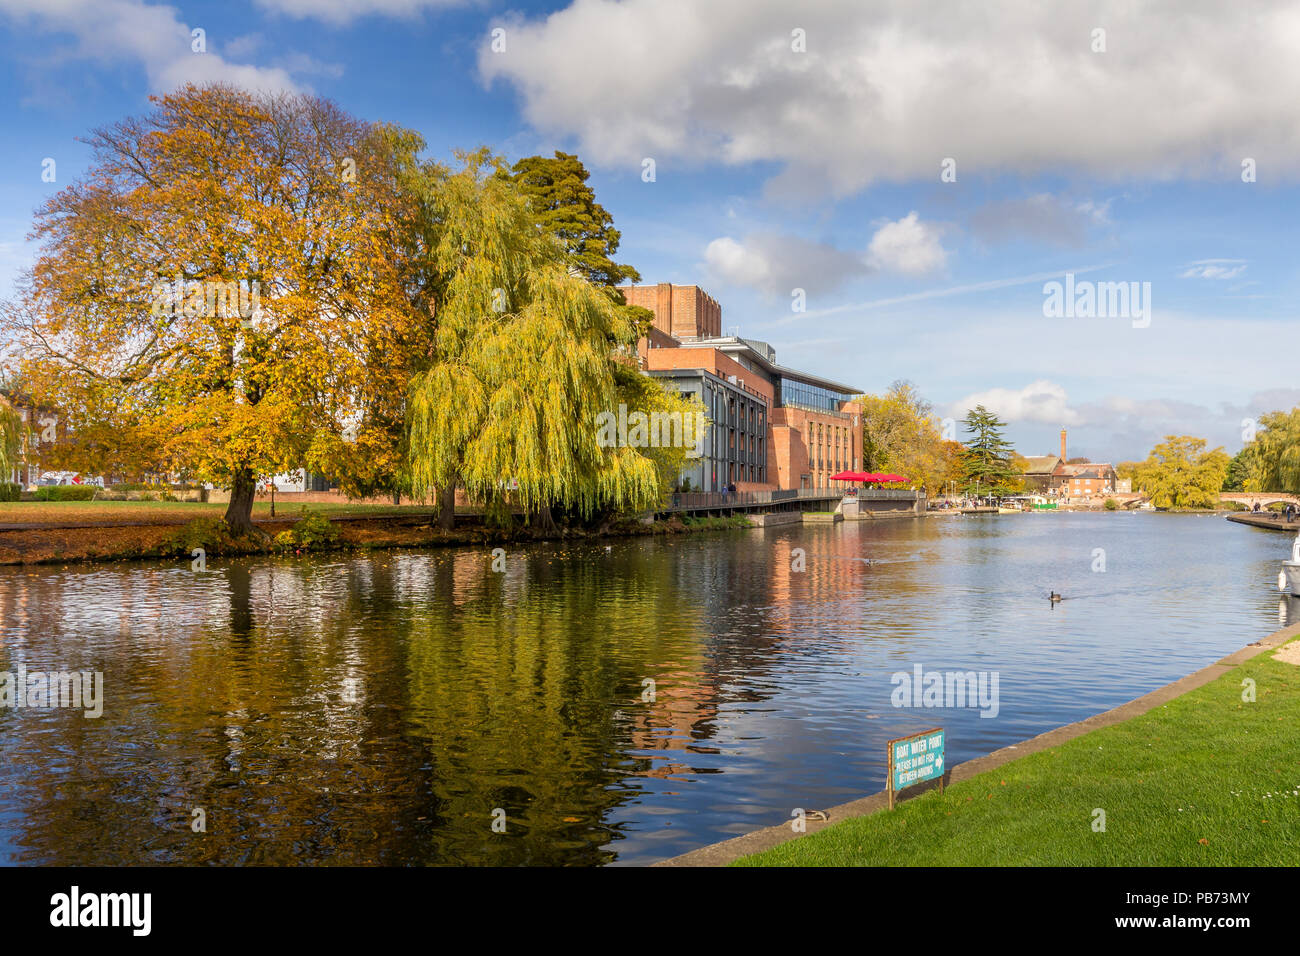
pixel 712 360
pixel 657 339
pixel 794 441
pixel 680 310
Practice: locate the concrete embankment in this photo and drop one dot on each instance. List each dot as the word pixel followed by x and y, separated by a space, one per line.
pixel 1269 521
pixel 775 518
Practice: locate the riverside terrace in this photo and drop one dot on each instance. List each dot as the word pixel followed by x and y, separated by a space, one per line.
pixel 852 505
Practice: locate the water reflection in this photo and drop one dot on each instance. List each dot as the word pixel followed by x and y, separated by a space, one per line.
pixel 619 705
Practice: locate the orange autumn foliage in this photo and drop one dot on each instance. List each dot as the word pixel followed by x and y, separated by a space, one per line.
pixel 222 296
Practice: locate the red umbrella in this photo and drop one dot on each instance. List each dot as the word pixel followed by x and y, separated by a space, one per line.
pixel 855 476
pixel 892 477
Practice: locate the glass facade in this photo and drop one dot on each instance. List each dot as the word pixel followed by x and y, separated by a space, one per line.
pixel 735 442
pixel 792 392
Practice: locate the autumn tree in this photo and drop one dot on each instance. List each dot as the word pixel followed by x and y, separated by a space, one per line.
pixel 527 354
pixel 1180 473
pixel 222 294
pixel 900 433
pixel 890 424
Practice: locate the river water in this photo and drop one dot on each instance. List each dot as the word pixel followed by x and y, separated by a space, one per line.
pixel 602 703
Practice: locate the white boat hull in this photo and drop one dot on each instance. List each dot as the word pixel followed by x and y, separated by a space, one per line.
pixel 1288 579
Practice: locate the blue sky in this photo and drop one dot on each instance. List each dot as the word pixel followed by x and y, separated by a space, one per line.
pixel 803 150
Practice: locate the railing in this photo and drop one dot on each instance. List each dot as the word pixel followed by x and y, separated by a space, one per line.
pixel 692 500
pixel 688 500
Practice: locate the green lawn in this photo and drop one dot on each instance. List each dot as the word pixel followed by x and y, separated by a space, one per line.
pixel 74 512
pixel 1205 780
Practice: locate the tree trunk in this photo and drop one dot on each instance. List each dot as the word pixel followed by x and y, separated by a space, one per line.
pixel 397 497
pixel 447 507
pixel 239 513
pixel 544 522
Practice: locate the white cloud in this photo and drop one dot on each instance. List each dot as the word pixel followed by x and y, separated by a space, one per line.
pixel 888 90
pixel 340 12
pixel 1215 269
pixel 908 246
pixel 1041 217
pixel 1039 401
pixel 778 264
pixel 734 263
pixel 111 31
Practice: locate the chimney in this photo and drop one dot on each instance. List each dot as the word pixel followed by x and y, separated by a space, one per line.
pixel 1063 458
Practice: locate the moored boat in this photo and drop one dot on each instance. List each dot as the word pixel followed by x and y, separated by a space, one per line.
pixel 1288 579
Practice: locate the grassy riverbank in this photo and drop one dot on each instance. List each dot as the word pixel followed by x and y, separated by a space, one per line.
pixel 76 513
pixel 1204 780
pixel 121 531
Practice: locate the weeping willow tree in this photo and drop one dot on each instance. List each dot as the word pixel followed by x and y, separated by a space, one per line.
pixel 11 438
pixel 1273 459
pixel 525 358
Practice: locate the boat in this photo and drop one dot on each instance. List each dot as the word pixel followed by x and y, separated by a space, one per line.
pixel 1288 579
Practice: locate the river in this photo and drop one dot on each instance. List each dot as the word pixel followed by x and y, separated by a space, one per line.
pixel 613 702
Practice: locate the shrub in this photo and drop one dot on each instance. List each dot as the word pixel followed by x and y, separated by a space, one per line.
pixel 211 534
pixel 313 529
pixel 10 491
pixel 1111 504
pixel 65 492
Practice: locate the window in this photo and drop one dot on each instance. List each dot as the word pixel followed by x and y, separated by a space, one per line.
pixel 802 395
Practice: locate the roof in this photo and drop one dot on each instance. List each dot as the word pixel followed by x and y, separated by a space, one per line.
pixel 1092 469
pixel 765 360
pixel 1041 464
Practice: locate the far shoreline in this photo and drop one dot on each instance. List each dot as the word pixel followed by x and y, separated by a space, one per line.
pixel 151 538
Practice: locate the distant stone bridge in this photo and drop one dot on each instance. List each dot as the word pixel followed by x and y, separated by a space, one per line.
pixel 1247 498
pixel 1264 498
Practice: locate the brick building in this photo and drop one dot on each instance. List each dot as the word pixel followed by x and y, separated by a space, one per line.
pixel 1053 475
pixel 772 427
